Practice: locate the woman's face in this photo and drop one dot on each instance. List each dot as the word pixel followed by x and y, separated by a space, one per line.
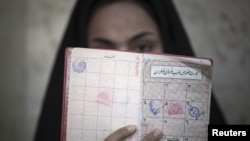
pixel 123 26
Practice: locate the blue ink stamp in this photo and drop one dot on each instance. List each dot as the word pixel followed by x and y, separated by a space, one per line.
pixel 79 65
pixel 153 108
pixel 194 112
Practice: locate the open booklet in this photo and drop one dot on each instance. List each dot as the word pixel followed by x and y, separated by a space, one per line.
pixel 106 89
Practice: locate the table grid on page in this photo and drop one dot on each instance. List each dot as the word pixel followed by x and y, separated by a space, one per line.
pixel 104 97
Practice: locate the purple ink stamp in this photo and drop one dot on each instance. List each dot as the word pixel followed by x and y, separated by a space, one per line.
pixel 79 65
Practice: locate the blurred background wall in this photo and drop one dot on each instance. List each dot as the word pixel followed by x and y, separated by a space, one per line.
pixel 31 30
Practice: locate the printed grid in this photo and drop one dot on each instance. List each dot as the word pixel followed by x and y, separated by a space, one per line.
pixel 180 109
pixel 173 116
pixel 102 99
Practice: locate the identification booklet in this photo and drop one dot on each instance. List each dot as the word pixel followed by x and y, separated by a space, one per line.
pixel 105 90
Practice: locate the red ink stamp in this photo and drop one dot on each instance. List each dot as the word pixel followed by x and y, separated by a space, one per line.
pixel 105 97
pixel 175 108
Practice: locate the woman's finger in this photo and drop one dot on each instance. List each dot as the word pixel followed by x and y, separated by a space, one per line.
pixel 122 133
pixel 154 135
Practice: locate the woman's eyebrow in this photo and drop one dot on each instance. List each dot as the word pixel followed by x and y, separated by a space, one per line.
pixel 103 41
pixel 138 36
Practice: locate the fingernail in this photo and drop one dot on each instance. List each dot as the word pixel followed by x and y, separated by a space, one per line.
pixel 158 133
pixel 131 128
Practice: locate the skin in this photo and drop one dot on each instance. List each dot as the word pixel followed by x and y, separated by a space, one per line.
pixel 124 132
pixel 117 26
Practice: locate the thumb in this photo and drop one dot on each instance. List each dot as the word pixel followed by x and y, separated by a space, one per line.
pixel 154 135
pixel 122 133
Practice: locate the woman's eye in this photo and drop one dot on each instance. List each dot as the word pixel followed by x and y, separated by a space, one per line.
pixel 143 48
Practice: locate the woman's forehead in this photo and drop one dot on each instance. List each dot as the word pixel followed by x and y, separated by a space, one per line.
pixel 121 18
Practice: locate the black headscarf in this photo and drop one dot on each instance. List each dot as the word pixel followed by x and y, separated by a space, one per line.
pixel 175 41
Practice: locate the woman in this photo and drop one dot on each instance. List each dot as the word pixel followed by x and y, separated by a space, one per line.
pixel 147 25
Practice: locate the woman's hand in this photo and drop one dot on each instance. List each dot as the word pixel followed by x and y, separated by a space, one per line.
pixel 125 132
